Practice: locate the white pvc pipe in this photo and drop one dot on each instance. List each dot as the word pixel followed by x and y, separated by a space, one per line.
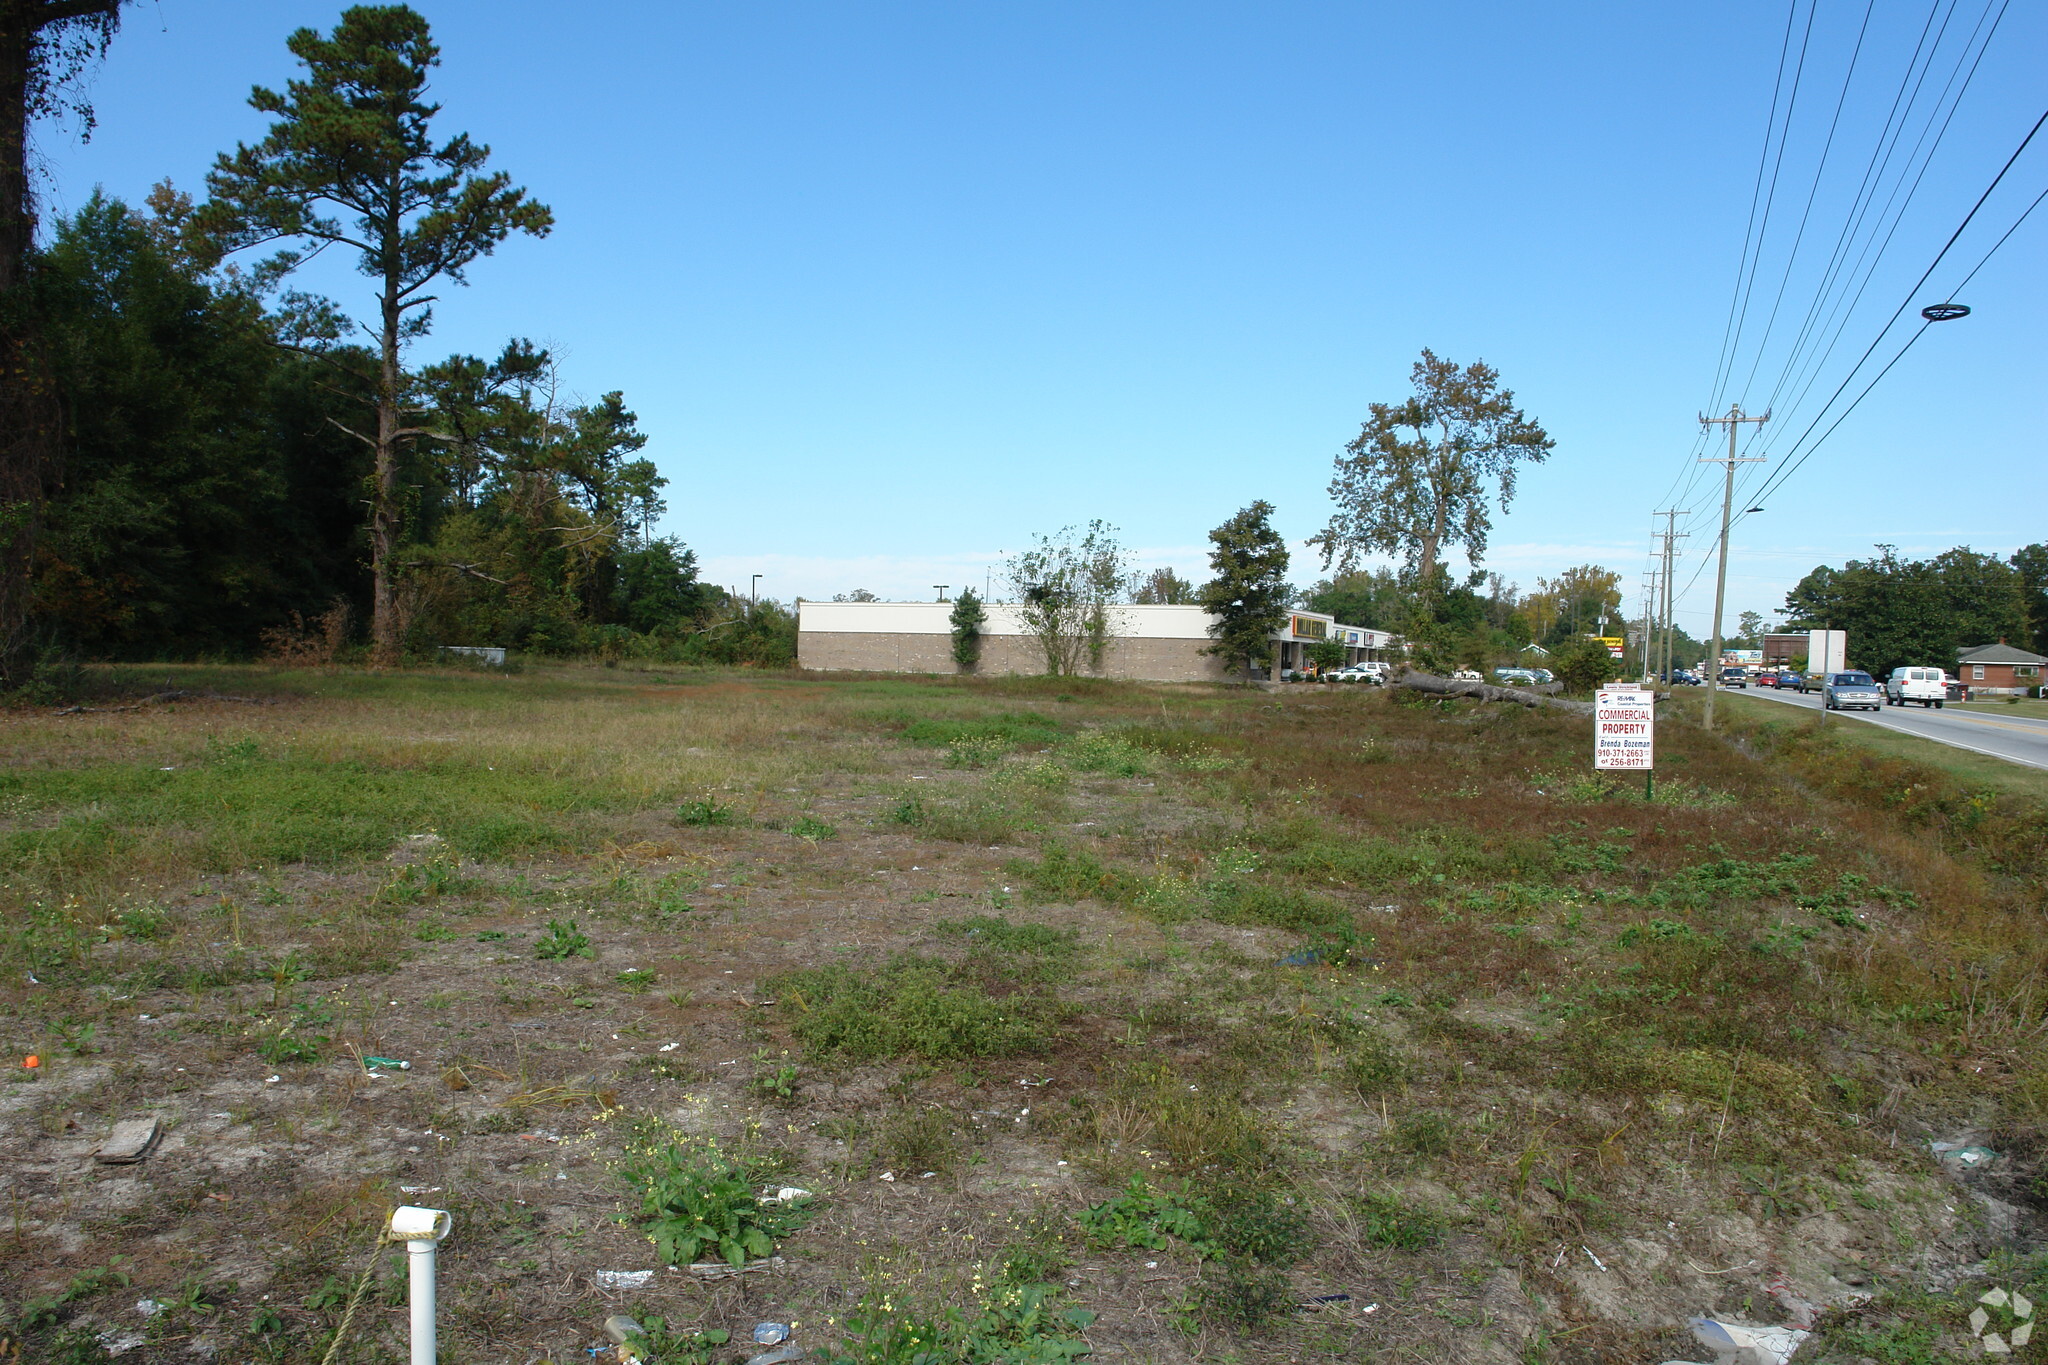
pixel 422 1231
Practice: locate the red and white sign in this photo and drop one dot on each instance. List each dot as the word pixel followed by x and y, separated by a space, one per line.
pixel 1624 728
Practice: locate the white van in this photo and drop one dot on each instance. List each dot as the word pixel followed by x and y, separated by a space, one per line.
pixel 1925 685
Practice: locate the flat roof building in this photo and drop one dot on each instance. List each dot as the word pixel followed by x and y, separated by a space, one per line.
pixel 1145 643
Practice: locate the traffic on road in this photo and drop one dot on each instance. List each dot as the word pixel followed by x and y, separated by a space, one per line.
pixel 2016 739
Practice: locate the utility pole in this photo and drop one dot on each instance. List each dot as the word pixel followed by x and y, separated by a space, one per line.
pixel 1671 516
pixel 1652 596
pixel 1733 421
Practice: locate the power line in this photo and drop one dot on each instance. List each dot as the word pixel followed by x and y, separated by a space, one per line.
pixel 1786 472
pixel 1846 308
pixel 1756 192
pixel 1806 212
pixel 1770 198
pixel 1908 300
pixel 1866 189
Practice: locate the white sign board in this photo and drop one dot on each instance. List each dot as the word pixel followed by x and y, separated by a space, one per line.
pixel 1624 728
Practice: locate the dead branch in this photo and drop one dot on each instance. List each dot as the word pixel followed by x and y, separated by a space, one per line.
pixel 472 570
pixel 155 698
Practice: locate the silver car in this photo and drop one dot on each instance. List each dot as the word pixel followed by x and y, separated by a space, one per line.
pixel 1851 692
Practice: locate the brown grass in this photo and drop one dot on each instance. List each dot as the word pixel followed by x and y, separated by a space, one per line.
pixel 1574 1020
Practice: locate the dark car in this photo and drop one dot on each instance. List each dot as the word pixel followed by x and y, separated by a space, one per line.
pixel 1734 677
pixel 1851 691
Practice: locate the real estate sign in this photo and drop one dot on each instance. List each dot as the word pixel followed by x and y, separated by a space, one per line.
pixel 1624 728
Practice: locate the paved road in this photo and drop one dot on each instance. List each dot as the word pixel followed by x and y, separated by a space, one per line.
pixel 2015 739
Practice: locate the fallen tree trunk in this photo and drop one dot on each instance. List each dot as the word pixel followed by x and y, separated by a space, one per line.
pixel 177 695
pixel 1460 687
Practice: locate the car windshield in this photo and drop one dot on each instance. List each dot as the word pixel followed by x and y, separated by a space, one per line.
pixel 1853 680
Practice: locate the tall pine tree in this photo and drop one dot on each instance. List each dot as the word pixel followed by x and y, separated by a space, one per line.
pixel 352 162
pixel 1249 595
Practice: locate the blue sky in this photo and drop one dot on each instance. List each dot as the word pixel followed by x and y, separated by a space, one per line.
pixel 894 286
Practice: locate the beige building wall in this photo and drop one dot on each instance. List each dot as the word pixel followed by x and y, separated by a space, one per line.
pixel 1142 659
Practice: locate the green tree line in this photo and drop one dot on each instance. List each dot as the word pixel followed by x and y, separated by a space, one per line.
pixel 230 459
pixel 1899 611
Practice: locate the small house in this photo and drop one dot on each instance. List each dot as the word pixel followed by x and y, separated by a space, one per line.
pixel 1999 670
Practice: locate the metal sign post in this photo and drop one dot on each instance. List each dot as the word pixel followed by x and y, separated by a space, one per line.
pixel 1625 732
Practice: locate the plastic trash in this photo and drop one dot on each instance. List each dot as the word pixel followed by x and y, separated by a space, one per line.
pixel 784 1194
pixel 619 1327
pixel 779 1356
pixel 1302 957
pixel 1742 1343
pixel 771 1333
pixel 623 1279
pixel 386 1064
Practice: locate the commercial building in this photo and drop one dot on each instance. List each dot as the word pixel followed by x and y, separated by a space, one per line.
pixel 1999 670
pixel 1144 643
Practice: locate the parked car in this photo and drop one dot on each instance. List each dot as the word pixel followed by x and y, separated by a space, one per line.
pixel 1734 677
pixel 1851 691
pixel 1468 675
pixel 1928 686
pixel 1514 677
pixel 1357 673
pixel 1544 675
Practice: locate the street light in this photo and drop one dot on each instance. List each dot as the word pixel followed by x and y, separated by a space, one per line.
pixel 942 589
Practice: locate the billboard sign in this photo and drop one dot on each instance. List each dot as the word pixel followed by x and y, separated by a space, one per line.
pixel 1624 728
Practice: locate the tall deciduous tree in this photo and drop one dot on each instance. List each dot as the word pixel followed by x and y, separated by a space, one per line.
pixel 1065 587
pixel 1249 595
pixel 44 46
pixel 352 162
pixel 1422 474
pixel 2030 562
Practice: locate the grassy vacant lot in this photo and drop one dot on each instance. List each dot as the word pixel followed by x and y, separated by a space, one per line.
pixel 1162 1023
pixel 1973 771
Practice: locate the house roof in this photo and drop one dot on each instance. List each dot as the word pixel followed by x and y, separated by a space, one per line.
pixel 1998 654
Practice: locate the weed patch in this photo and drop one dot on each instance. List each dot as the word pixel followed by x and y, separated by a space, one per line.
pixel 912 1007
pixel 696 1203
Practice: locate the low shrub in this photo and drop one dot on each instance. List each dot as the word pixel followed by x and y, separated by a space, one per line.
pixel 698 1203
pixel 562 941
pixel 1017 729
pixel 912 1007
pixel 706 811
pixel 1385 1221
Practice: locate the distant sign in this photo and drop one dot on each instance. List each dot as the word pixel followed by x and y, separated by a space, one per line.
pixel 1624 728
pixel 1616 645
pixel 1733 657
